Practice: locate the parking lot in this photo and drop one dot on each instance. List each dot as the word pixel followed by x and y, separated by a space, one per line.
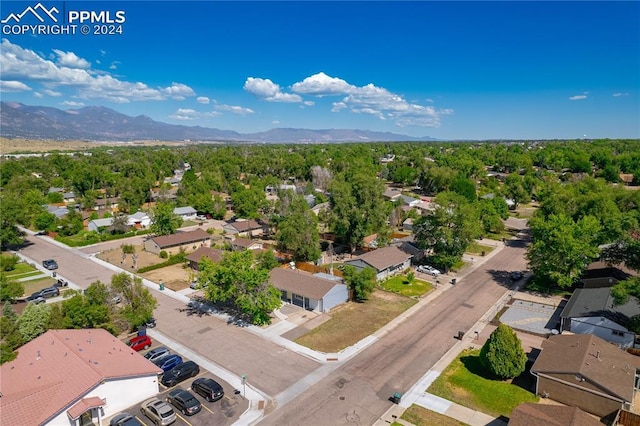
pixel 225 411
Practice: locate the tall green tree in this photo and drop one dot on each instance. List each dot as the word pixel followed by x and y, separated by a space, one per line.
pixel 514 189
pixel 10 337
pixel 361 282
pixel 10 234
pixel 562 248
pixel 10 290
pixel 165 221
pixel 138 302
pixel 33 321
pixel 298 231
pixel 502 354
pixel 239 280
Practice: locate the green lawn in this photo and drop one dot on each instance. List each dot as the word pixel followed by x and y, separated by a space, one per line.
pixel 32 286
pixel 477 249
pixel 465 383
pixel 399 284
pixel 18 277
pixel 420 416
pixel 21 268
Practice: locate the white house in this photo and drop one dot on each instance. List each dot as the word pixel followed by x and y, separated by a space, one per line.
pixel 96 224
pixel 73 377
pixel 139 220
pixel 318 292
pixel 386 261
pixel 186 213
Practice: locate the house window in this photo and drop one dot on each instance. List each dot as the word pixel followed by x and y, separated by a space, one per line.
pixel 617 333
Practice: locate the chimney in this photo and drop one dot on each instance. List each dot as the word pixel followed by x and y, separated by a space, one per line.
pixel 38 356
pixel 598 354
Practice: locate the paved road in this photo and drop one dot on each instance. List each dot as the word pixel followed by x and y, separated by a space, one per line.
pixel 357 392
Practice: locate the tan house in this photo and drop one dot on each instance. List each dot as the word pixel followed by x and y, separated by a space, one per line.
pixel 244 228
pixel 240 244
pixel 314 292
pixel 194 259
pixel 180 240
pixel 530 414
pixel 585 371
pixel 387 261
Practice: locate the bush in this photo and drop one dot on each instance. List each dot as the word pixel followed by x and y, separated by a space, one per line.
pixel 8 263
pixel 502 355
pixel 163 254
pixel 173 260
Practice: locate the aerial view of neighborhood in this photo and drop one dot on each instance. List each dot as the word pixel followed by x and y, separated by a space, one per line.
pixel 310 213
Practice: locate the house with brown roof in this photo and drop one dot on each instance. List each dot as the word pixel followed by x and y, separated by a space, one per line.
pixel 530 414
pixel 315 292
pixel 585 371
pixel 73 377
pixel 240 244
pixel 173 243
pixel 244 228
pixel 386 261
pixel 194 259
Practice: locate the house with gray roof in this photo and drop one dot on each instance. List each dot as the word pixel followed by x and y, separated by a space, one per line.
pixel 585 371
pixel 180 240
pixel 186 213
pixel 139 219
pixel 386 261
pixel 593 311
pixel 57 211
pixel 313 292
pixel 96 224
pixel 244 228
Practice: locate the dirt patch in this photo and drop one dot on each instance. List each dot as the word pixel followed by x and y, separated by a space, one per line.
pixel 27 145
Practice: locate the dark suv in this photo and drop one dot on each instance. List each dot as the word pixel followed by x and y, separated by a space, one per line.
pixel 50 264
pixel 179 373
pixel 184 401
pixel 50 292
pixel 209 389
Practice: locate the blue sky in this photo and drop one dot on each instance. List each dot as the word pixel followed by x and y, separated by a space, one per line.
pixel 449 70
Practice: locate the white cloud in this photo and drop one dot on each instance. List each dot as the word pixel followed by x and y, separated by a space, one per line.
pixel 202 100
pixel 267 90
pixel 38 95
pixel 25 65
pixel 579 97
pixel 114 65
pixel 72 103
pixel 309 103
pixel 187 114
pixel 13 86
pixel 322 85
pixel 618 94
pixel 275 122
pixel 53 93
pixel 71 60
pixel 234 109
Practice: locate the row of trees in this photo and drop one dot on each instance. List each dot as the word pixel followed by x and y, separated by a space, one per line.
pixel 92 308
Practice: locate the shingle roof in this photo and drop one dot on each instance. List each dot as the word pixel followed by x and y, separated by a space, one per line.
pixel 301 283
pixel 243 242
pixel 245 225
pixel 55 370
pixel 588 302
pixel 214 255
pixel 180 238
pixel 384 258
pixel 529 414
pixel 600 363
pixel 106 221
pixel 184 210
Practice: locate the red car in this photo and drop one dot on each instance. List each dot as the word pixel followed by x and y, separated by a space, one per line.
pixel 139 343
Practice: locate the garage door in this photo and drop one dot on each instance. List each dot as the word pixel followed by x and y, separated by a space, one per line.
pixel 297 300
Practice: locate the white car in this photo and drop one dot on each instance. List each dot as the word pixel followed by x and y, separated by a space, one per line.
pixel 426 269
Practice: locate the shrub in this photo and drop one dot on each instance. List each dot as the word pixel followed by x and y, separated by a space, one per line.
pixel 502 355
pixel 163 254
pixel 8 263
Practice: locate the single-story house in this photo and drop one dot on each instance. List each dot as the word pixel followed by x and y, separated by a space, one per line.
pixel 139 219
pixel 599 274
pixel 240 244
pixel 73 377
pixel 186 213
pixel 320 207
pixel 69 197
pixel 409 201
pixel 593 311
pixel 315 292
pixel 103 203
pixel 407 245
pixel 215 255
pixel 407 225
pixel 530 414
pixel 96 224
pixel 392 194
pixel 244 228
pixel 386 261
pixel 57 211
pixel 585 371
pixel 180 240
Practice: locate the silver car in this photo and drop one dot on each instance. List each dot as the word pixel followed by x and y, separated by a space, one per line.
pixel 159 412
pixel 156 354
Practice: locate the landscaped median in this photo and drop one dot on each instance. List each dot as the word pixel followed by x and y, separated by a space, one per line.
pixel 465 382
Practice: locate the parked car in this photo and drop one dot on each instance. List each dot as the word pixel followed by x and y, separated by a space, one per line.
pixel 139 343
pixel 60 283
pixel 426 269
pixel 167 362
pixel 36 298
pixel 159 412
pixel 209 389
pixel 157 353
pixel 125 419
pixel 50 292
pixel 151 322
pixel 184 401
pixel 50 264
pixel 179 373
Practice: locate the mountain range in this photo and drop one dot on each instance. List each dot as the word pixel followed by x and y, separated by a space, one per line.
pixel 98 123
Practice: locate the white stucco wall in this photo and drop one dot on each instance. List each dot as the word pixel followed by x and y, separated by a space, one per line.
pixel 336 296
pixel 118 394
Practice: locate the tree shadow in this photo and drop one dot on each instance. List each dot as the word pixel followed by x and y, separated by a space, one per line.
pixel 525 380
pixel 202 307
pixel 474 366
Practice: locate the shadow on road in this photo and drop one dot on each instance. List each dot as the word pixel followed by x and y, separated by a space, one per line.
pixel 201 307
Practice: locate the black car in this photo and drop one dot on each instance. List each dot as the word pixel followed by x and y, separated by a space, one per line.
pixel 36 298
pixel 50 264
pixel 179 373
pixel 184 401
pixel 124 419
pixel 209 389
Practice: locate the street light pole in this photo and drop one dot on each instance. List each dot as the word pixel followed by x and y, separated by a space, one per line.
pixel 244 386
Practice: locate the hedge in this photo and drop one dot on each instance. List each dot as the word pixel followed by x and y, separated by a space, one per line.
pixel 173 260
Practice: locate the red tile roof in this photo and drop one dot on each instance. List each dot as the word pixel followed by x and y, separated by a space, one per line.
pixel 55 370
pixel 181 238
pixel 83 405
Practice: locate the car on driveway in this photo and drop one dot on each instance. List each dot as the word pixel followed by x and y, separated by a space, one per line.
pixel 50 264
pixel 184 401
pixel 209 389
pixel 180 373
pixel 50 292
pixel 426 269
pixel 36 298
pixel 159 412
pixel 124 419
pixel 139 343
pixel 167 362
pixel 157 353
